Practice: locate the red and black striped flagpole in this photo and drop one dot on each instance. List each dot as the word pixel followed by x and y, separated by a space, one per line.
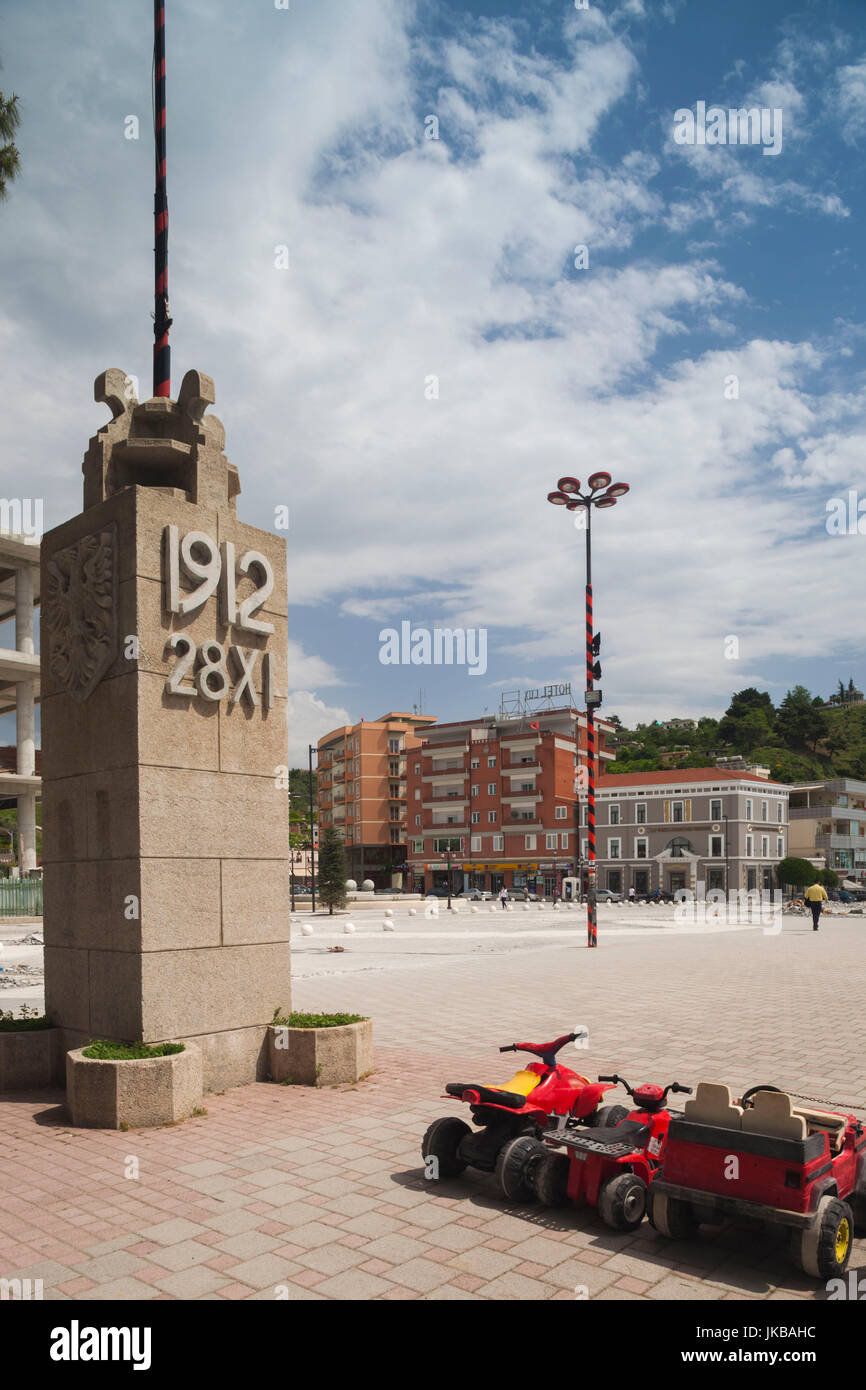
pixel 161 320
pixel 591 925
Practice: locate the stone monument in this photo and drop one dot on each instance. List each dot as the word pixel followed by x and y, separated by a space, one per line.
pixel 164 744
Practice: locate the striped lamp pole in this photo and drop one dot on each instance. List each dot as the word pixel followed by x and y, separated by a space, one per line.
pixel 602 493
pixel 161 320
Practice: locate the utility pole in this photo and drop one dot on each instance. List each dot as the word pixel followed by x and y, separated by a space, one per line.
pixel 310 751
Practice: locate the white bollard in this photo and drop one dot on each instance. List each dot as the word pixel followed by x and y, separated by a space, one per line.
pixel 348 928
pixel 389 912
pixel 306 930
pixel 388 924
pixel 413 912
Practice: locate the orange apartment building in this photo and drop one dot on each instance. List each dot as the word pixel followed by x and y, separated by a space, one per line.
pixel 362 791
pixel 499 795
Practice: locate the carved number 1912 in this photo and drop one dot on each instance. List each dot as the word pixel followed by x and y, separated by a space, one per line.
pixel 211 568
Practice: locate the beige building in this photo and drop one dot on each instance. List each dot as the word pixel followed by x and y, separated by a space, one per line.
pixel 362 791
pixel 828 820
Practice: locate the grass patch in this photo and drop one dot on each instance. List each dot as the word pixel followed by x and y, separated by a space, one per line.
pixel 298 1020
pixel 28 1021
pixel 129 1052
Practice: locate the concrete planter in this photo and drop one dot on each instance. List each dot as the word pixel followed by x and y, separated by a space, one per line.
pixel 137 1093
pixel 321 1056
pixel 28 1060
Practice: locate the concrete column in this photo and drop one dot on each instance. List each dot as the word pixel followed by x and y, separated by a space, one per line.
pixel 25 720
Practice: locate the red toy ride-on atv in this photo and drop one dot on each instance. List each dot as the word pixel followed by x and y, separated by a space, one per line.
pixel 609 1168
pixel 526 1105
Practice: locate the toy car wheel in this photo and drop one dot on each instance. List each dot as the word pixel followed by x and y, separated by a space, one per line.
pixel 550 1178
pixel 442 1142
pixel 671 1216
pixel 824 1248
pixel 622 1201
pixel 607 1116
pixel 514 1168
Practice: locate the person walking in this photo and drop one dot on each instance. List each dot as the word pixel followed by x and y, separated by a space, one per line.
pixel 631 894
pixel 503 895
pixel 816 896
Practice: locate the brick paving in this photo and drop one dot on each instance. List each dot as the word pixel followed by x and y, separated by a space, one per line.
pixel 291 1192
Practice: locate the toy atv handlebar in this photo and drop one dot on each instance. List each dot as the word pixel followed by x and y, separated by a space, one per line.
pixel 674 1086
pixel 546 1051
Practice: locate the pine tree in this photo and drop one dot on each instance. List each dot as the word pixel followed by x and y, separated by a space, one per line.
pixel 332 869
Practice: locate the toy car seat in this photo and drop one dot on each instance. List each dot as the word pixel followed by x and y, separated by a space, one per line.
pixel 772 1114
pixel 711 1105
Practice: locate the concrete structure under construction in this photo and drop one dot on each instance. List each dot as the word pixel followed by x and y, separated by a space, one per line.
pixel 19 684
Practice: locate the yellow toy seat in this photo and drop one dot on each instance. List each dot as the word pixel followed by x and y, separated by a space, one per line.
pixel 521 1083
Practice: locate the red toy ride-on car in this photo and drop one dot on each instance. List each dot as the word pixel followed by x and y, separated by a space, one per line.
pixel 525 1106
pixel 799 1167
pixel 609 1168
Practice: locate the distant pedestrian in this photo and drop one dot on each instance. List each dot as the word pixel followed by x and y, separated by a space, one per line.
pixel 816 896
pixel 631 894
pixel 503 895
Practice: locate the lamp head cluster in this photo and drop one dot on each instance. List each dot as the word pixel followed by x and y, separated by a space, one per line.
pixel 602 492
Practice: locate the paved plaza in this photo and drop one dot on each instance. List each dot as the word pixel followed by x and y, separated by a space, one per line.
pixel 292 1192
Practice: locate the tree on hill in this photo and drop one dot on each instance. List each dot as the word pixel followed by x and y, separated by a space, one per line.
pixel 798 723
pixel 332 869
pixel 748 720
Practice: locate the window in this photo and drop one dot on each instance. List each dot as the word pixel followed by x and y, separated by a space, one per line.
pixel 393 769
pixel 491 762
pixel 441 846
pixel 764 811
pixel 417 820
pixel 491 788
pixel 475 844
pixel 748 808
pixel 750 847
pixel 614 815
pixel 550 842
pixel 417 846
pixel 780 847
pixel 614 880
pixel 715 810
pixel 395 837
pixel 640 812
pixel 561 813
pixel 417 767
pixel 585 816
pixel 641 848
pixel 498 843
pixel 677 811
pixel 779 809
pixel 563 840
pixel 393 745
pixel 476 817
pixel 474 789
pixel 765 846
pixel 417 793
pixel 679 846
pixel 716 846
pixel 529 842
pixel 583 849
pixel 474 763
pixel 613 847
pixel 491 817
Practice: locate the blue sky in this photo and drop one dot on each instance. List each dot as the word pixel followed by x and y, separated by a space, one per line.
pixel 411 258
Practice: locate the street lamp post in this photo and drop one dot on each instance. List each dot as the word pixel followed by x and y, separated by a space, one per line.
pixel 725 819
pixel 602 493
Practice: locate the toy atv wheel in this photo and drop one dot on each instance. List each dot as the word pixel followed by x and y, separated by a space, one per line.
pixel 441 1142
pixel 515 1166
pixel 550 1177
pixel 824 1248
pixel 607 1116
pixel 671 1216
pixel 622 1201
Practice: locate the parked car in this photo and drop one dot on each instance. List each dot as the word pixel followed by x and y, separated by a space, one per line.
pixel 607 895
pixel 438 893
pixel 478 895
pixel 523 895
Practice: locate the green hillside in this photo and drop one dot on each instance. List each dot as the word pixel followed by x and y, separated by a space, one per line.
pixel 798 741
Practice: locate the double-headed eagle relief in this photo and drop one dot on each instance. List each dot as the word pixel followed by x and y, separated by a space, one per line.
pixel 79 610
